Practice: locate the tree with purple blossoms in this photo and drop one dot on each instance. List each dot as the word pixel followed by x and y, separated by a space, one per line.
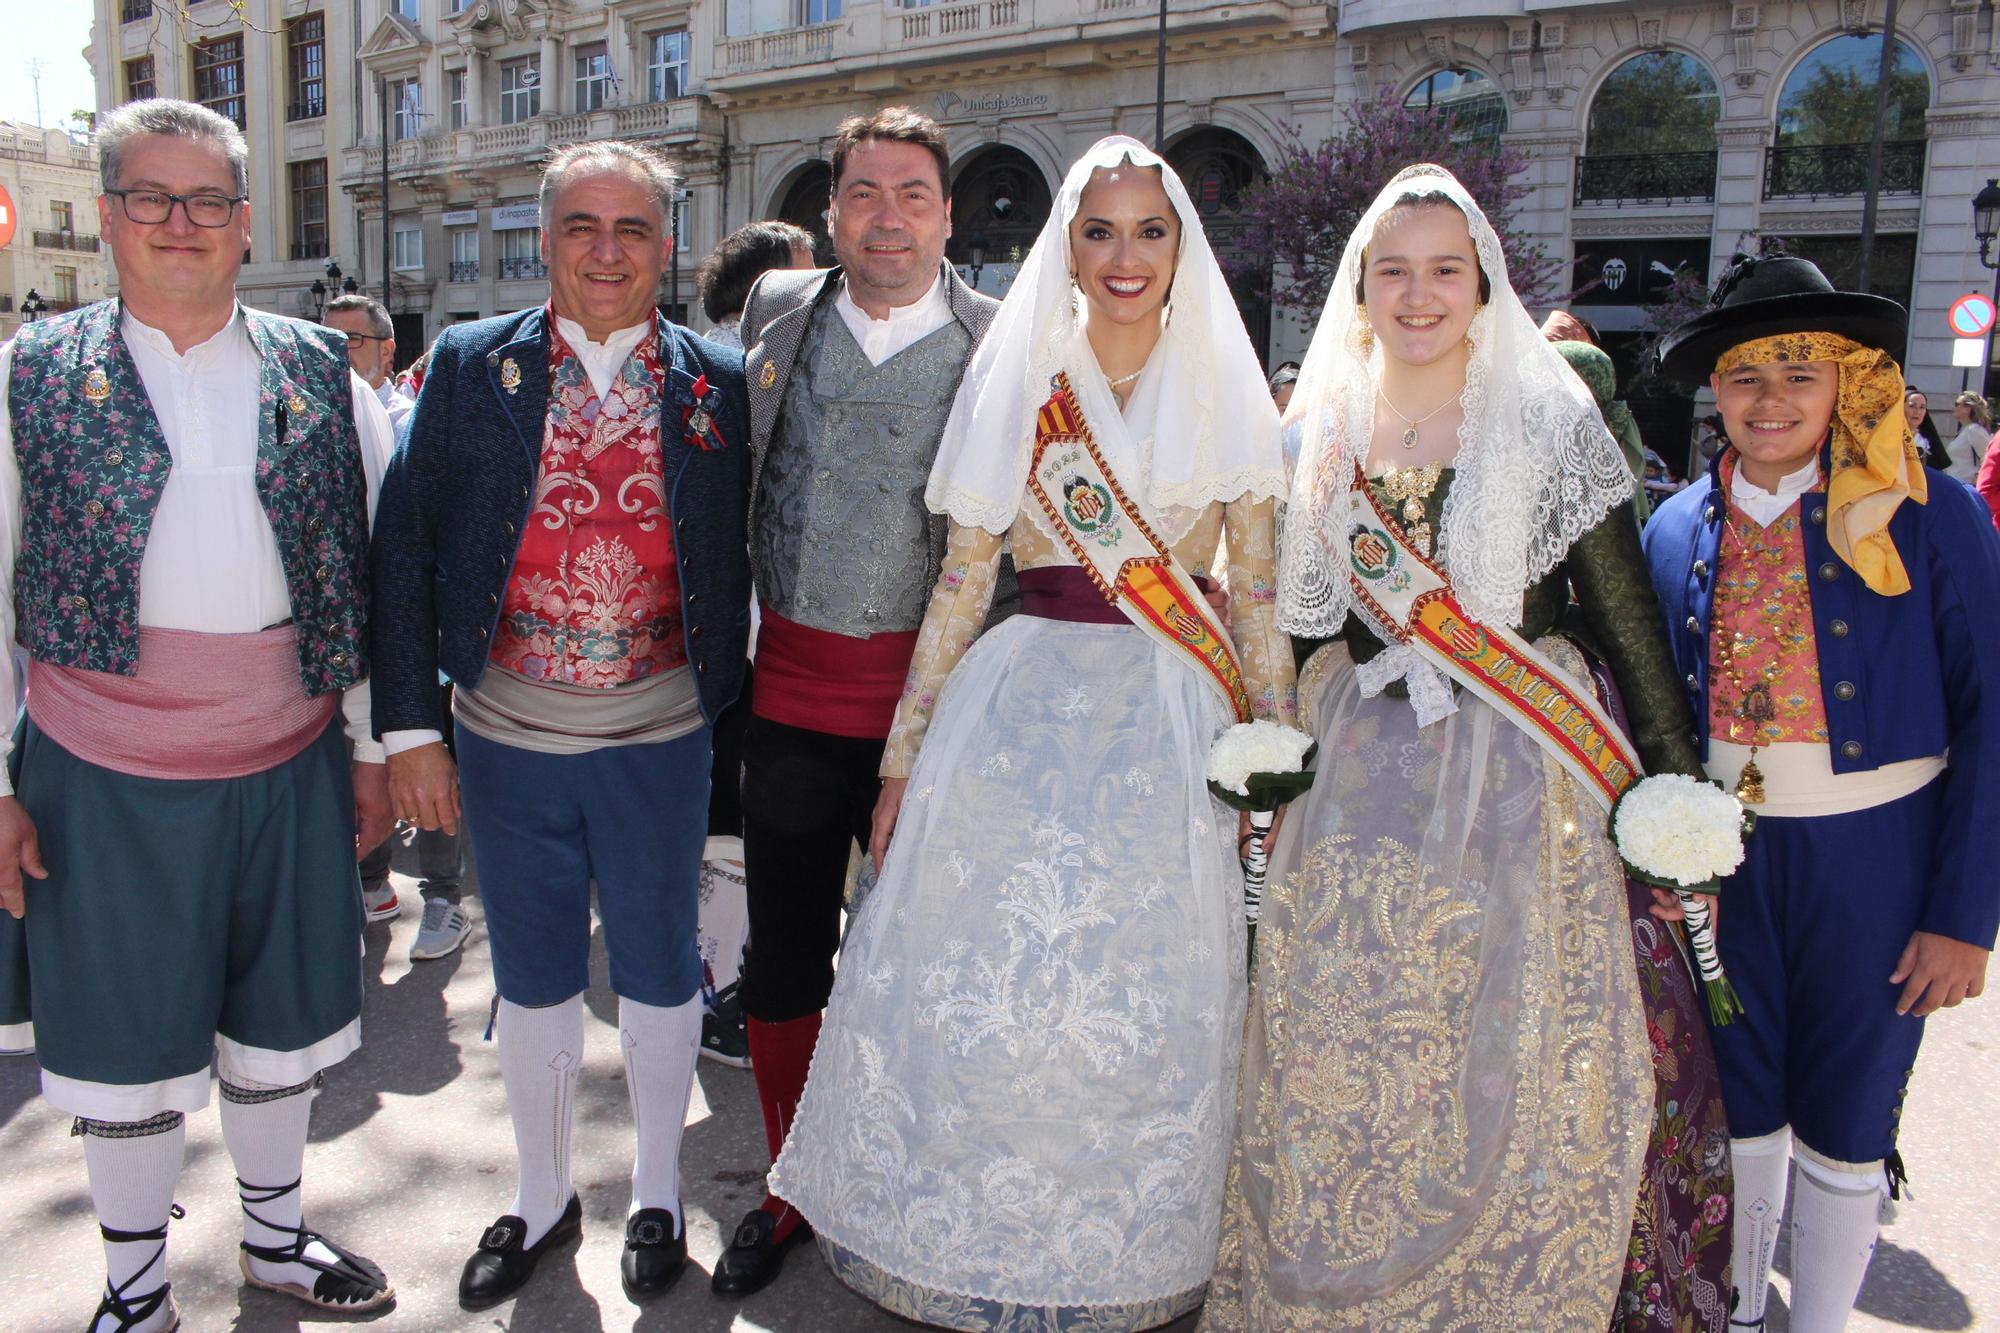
pixel 1302 214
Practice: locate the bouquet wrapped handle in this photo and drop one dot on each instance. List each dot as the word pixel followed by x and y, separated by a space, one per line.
pixel 1684 834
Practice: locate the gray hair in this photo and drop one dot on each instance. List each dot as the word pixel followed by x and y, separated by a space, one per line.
pixel 653 171
pixel 177 119
pixel 379 324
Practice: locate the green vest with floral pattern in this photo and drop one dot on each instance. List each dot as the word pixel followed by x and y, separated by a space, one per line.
pixel 93 461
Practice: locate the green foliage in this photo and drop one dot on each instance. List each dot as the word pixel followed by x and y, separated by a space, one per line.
pixel 1659 102
pixel 1830 97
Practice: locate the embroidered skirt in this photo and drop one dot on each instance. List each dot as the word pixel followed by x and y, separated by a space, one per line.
pixel 1446 1083
pixel 1019 1111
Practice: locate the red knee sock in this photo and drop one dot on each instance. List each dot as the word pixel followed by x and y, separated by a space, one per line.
pixel 780 1056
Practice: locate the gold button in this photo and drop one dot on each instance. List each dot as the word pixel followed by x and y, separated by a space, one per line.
pixel 79 603
pixel 322 574
pixel 339 659
pixel 768 375
pixel 94 508
pixel 114 456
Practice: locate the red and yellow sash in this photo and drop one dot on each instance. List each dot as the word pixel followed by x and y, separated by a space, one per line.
pixel 1131 566
pixel 1413 600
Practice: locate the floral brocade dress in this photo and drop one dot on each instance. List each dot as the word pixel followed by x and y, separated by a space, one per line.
pixel 1477 1091
pixel 1020 1108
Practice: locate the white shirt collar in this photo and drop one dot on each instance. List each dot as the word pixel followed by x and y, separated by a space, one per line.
pixel 923 308
pixel 229 338
pixel 904 326
pixel 1766 506
pixel 602 360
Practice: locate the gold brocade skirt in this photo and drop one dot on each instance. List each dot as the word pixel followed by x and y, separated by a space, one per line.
pixel 1446 1089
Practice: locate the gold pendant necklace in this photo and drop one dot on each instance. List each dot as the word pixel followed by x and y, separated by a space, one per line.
pixel 1410 423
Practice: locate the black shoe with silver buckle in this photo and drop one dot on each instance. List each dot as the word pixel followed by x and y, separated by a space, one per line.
pixel 655 1253
pixel 502 1264
pixel 753 1260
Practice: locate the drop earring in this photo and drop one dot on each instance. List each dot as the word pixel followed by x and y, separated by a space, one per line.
pixel 1366 337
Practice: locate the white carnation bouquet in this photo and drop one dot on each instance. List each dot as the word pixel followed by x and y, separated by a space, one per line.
pixel 1685 834
pixel 1257 767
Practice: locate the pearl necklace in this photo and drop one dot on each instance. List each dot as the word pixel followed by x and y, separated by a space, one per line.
pixel 1124 380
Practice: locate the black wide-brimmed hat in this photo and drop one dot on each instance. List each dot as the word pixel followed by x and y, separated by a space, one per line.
pixel 1759 298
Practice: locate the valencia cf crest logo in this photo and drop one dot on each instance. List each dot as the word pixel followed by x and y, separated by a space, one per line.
pixel 1374 554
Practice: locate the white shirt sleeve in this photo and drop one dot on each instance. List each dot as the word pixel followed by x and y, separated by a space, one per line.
pixel 10 549
pixel 378 441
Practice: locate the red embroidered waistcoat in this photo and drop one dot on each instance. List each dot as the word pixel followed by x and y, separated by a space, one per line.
pixel 595 599
pixel 1763 608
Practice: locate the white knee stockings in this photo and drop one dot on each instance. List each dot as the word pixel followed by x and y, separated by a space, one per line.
pixel 1836 1209
pixel 541 1051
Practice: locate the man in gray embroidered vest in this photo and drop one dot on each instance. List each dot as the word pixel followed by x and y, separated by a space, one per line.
pixel 185 490
pixel 851 373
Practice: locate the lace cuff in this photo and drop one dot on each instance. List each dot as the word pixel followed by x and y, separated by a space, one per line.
pixel 1430 692
pixel 956 613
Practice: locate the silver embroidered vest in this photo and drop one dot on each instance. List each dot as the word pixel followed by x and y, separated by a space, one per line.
pixel 844 543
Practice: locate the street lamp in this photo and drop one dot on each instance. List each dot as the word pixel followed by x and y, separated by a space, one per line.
pixel 1986 226
pixel 332 285
pixel 976 257
pixel 33 305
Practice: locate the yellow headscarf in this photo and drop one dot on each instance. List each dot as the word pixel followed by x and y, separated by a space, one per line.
pixel 1875 461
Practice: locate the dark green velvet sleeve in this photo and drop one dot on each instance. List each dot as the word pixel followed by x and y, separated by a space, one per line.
pixel 1608 571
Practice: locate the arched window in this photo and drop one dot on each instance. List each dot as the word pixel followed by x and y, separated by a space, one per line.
pixel 1651 133
pixel 1829 97
pixel 1477 109
pixel 804 205
pixel 1218 167
pixel 999 203
pixel 1826 116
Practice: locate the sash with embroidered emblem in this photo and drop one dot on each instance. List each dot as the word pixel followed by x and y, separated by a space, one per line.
pixel 1114 544
pixel 1412 599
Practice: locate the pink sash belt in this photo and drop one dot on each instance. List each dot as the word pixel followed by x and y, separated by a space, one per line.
pixel 203 706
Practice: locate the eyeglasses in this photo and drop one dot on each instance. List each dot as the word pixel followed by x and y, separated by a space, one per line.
pixel 151 207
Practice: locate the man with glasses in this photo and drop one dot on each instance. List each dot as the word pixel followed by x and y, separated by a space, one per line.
pixel 371 350
pixel 185 489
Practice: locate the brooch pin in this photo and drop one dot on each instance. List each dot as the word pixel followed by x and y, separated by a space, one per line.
pixel 96 385
pixel 510 375
pixel 699 422
pixel 295 404
pixel 768 375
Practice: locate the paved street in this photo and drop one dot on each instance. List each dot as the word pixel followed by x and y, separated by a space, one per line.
pixel 410 1152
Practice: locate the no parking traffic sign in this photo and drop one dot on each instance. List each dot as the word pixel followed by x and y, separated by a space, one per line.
pixel 1971 315
pixel 8 221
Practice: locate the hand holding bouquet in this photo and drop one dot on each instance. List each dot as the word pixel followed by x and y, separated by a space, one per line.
pixel 1685 834
pixel 1257 767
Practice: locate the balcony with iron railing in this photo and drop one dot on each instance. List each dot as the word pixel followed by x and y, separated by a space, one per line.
pixel 874 28
pixel 1820 171
pixel 523 266
pixel 309 249
pixel 437 154
pixel 465 270
pixel 66 240
pixel 1645 178
pixel 306 110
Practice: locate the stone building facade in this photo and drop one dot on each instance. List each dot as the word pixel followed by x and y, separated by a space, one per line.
pixel 470 95
pixel 55 261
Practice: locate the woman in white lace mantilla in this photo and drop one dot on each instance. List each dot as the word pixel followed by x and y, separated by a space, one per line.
pixel 1446 1082
pixel 1019 1112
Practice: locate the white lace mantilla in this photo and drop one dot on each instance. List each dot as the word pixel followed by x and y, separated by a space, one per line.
pixel 1536 467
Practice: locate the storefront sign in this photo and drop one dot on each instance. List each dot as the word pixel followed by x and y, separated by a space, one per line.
pixel 517 217
pixel 1636 272
pixel 951 105
pixel 461 217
